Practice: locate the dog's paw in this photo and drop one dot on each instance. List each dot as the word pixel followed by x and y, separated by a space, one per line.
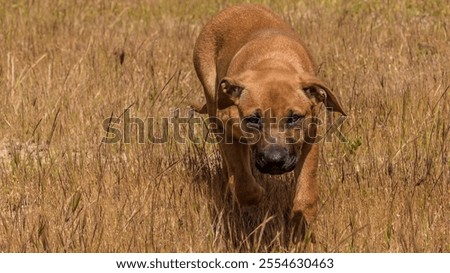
pixel 300 228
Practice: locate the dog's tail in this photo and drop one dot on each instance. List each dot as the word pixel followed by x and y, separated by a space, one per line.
pixel 199 108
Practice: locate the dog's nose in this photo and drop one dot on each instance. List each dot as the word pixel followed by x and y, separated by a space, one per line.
pixel 275 156
pixel 275 160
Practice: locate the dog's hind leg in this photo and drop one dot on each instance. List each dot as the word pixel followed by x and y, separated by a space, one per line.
pixel 205 66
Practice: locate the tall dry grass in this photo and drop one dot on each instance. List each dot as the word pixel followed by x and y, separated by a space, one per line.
pixel 66 66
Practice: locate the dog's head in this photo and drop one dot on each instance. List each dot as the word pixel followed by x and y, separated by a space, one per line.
pixel 277 114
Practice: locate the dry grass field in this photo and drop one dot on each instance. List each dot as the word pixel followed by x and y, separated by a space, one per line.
pixel 66 66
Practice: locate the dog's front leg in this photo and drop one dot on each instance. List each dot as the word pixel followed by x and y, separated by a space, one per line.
pixel 240 178
pixel 304 209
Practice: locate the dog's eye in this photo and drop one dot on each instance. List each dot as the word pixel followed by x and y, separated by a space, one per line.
pixel 294 119
pixel 253 121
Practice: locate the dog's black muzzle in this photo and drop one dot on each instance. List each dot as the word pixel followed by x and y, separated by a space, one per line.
pixel 275 159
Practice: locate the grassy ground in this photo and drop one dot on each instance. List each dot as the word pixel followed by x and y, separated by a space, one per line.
pixel 66 66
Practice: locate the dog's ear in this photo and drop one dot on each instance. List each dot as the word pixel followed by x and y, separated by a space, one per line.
pixel 229 92
pixel 315 89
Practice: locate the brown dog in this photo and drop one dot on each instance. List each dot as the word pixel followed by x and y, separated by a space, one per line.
pixel 254 67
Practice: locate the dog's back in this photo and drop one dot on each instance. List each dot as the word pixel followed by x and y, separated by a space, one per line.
pixel 226 33
pixel 235 26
